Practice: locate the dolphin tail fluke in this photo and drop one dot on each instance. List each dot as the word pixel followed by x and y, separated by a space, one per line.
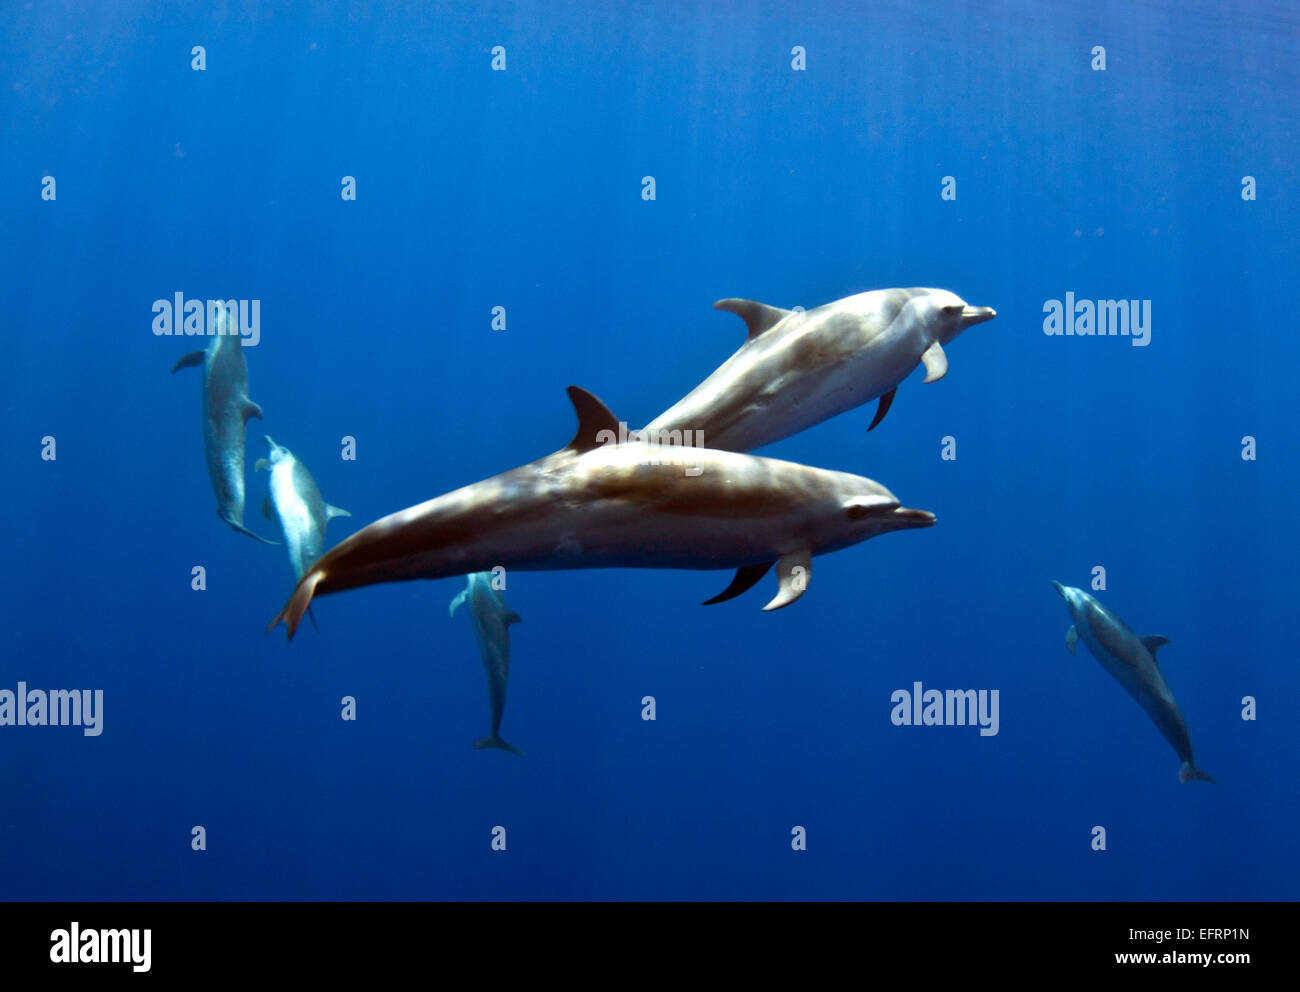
pixel 1190 773
pixel 497 742
pixel 188 361
pixel 298 603
pixel 244 530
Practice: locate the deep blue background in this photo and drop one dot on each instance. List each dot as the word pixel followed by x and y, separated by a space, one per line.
pixel 522 189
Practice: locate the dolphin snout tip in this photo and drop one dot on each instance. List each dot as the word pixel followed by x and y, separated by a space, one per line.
pixel 1058 587
pixel 976 315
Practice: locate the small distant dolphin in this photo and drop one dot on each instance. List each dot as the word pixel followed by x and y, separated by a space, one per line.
pixel 492 630
pixel 600 505
pixel 226 407
pixel 798 369
pixel 1132 661
pixel 296 504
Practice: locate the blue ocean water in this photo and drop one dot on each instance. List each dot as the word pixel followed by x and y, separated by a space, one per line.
pixel 522 189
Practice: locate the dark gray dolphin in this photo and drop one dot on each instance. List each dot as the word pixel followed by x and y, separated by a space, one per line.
pixel 296 504
pixel 1132 661
pixel 797 369
pixel 492 631
pixel 226 407
pixel 595 504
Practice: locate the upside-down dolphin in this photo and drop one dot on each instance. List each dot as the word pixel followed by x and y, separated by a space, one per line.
pixel 599 505
pixel 296 504
pixel 492 631
pixel 797 369
pixel 226 407
pixel 1132 661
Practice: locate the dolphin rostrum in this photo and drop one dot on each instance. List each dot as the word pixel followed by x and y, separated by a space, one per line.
pixel 599 505
pixel 297 504
pixel 226 407
pixel 492 630
pixel 1132 661
pixel 798 368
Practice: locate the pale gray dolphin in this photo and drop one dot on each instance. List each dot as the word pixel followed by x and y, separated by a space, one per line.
pixel 797 369
pixel 226 407
pixel 296 504
pixel 492 631
pixel 1132 661
pixel 602 505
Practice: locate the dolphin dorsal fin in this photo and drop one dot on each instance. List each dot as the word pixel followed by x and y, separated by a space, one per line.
pixel 1152 643
pixel 512 617
pixel 758 317
pixel 593 417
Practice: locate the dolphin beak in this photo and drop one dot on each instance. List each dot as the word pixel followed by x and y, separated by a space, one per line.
pixel 1059 588
pixel 913 518
pixel 976 315
pixel 269 443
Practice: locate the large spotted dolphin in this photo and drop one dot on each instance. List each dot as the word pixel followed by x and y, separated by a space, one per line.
pixel 1132 661
pixel 594 504
pixel 226 408
pixel 797 369
pixel 492 631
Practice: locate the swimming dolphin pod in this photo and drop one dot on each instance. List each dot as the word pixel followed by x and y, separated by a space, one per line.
pixel 1132 662
pixel 600 505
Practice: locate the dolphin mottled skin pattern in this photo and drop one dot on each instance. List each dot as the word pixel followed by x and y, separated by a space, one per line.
pixel 600 505
pixel 492 631
pixel 1131 660
pixel 797 369
pixel 226 408
pixel 297 505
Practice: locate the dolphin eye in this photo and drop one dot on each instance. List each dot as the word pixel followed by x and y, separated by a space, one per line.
pixel 856 511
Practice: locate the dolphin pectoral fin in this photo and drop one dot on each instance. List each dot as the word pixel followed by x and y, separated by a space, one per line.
pixel 886 402
pixel 251 409
pixel 743 581
pixel 260 464
pixel 594 420
pixel 188 361
pixel 266 507
pixel 1190 773
pixel 1071 639
pixel 512 617
pixel 758 317
pixel 495 741
pixel 793 571
pixel 456 601
pixel 936 362
pixel 333 511
pixel 1152 643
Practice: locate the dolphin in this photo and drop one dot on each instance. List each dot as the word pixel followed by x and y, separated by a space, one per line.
pixel 594 504
pixel 1132 661
pixel 797 369
pixel 297 504
pixel 226 407
pixel 492 630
